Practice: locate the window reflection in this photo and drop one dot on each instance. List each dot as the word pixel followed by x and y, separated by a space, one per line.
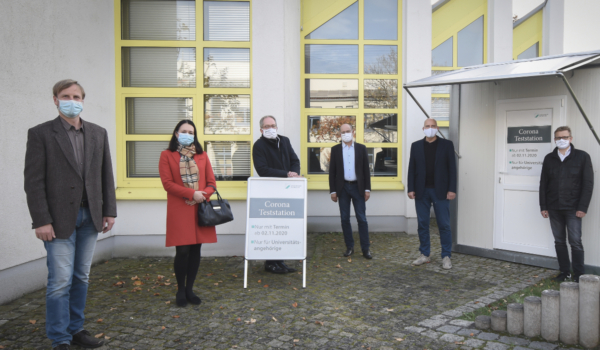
pixel 381 19
pixel 381 93
pixel 440 108
pixel 227 20
pixel 158 20
pixel 226 68
pixel 159 66
pixel 383 161
pixel 441 56
pixel 331 93
pixel 381 59
pixel 470 44
pixel 156 115
pixel 440 89
pixel 227 114
pixel 531 52
pixel 381 127
pixel 334 59
pixel 343 26
pixel 326 128
pixel 230 160
pixel 318 160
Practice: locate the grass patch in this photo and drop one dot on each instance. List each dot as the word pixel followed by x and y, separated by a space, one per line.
pixel 517 297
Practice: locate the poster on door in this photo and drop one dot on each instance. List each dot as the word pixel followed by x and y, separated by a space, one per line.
pixel 529 139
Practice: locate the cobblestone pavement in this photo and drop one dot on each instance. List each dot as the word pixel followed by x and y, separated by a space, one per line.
pixel 384 303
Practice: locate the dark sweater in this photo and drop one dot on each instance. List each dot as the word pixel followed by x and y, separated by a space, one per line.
pixel 274 158
pixel 430 150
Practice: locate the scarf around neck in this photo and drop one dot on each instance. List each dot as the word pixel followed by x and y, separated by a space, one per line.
pixel 187 166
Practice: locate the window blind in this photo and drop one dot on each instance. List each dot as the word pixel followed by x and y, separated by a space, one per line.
pixel 226 21
pixel 159 20
pixel 143 156
pixel 159 67
pixel 156 115
pixel 230 160
pixel 227 114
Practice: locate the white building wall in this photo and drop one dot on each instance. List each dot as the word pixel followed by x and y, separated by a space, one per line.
pixel 500 31
pixel 44 42
pixel 581 26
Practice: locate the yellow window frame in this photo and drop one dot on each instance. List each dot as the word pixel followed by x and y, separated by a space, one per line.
pixel 445 26
pixel 527 34
pixel 321 181
pixel 129 188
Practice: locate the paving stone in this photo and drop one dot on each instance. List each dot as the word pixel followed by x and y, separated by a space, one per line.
pixel 451 338
pixel 542 345
pixel 275 309
pixel 495 346
pixel 488 336
pixel 514 341
pixel 462 323
pixel 474 343
pixel 448 329
pixel 520 348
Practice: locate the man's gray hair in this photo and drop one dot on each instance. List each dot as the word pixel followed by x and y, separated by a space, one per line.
pixel 265 117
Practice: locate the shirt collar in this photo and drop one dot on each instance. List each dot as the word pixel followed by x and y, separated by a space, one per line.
pixel 68 126
pixel 346 146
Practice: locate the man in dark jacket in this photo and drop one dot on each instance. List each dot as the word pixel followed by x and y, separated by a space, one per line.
pixel 350 181
pixel 432 180
pixel 566 186
pixel 273 156
pixel 71 197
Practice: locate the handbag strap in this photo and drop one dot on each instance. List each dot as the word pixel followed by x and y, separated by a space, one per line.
pixel 217 192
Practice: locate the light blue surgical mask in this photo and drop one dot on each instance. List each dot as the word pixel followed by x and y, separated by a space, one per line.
pixel 185 139
pixel 70 108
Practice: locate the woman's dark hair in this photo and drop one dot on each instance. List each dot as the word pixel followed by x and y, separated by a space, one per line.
pixel 174 143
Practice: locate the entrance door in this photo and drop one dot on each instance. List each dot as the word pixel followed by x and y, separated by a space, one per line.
pixel 524 135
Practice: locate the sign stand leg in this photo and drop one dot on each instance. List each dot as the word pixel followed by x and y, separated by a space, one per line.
pixel 304 273
pixel 245 273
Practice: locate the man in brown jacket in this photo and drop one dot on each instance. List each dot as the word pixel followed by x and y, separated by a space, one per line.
pixel 71 197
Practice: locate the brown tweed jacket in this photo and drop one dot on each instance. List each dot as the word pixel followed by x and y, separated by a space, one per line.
pixel 53 184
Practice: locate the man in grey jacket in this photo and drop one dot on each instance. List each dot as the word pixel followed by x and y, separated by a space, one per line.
pixel 71 197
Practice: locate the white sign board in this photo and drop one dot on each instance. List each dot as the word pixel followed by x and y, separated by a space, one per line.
pixel 529 139
pixel 276 219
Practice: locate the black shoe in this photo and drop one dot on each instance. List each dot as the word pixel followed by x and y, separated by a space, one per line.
pixel 575 278
pixel 180 298
pixel 367 254
pixel 192 298
pixel 349 252
pixel 85 340
pixel 273 267
pixel 62 347
pixel 562 277
pixel 286 268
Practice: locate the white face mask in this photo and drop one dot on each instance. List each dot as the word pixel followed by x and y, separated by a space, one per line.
pixel 562 144
pixel 430 132
pixel 270 133
pixel 347 137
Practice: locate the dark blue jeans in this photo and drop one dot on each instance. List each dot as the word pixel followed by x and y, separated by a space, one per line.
pixel 350 193
pixel 563 222
pixel 69 262
pixel 442 214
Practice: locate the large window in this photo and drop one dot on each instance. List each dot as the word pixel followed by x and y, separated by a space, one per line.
pixel 458 41
pixel 350 75
pixel 182 59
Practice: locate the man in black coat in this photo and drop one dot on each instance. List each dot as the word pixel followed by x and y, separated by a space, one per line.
pixel 432 180
pixel 273 156
pixel 350 180
pixel 566 186
pixel 71 197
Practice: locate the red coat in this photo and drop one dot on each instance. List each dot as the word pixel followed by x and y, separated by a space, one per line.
pixel 182 219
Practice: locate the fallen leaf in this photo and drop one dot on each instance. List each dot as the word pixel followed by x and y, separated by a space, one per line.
pixel 138 283
pixel 156 294
pixel 535 276
pixel 209 274
pixel 106 337
pixel 295 288
pixel 296 340
pixel 234 276
pixel 259 281
pixel 320 322
pixel 176 316
pixel 446 290
pixel 338 266
pixel 167 284
pixel 295 304
pixel 135 278
pixel 99 335
pixel 32 321
pixel 274 319
pixel 160 277
pixel 399 339
pixel 167 302
pixel 389 310
pixel 266 286
pixel 303 318
pixel 332 248
pixel 350 260
pixel 112 308
pixel 251 309
pixel 252 320
pixel 163 327
pixel 472 334
pixel 99 320
pixel 216 284
pixel 239 319
pixel 477 302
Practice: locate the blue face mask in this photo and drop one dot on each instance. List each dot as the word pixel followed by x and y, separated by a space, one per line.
pixel 185 139
pixel 70 108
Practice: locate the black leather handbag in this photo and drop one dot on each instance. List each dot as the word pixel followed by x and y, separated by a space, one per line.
pixel 215 212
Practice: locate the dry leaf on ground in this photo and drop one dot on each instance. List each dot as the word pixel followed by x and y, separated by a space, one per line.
pixel 99 335
pixel 99 320
pixel 399 339
pixel 32 321
pixel 338 266
pixel 295 304
pixel 176 316
pixel 274 319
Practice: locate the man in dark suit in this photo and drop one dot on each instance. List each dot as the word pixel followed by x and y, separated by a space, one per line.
pixel 432 180
pixel 274 156
pixel 71 197
pixel 350 180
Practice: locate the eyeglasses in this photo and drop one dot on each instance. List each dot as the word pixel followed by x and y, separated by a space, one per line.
pixel 272 126
pixel 346 132
pixel 562 138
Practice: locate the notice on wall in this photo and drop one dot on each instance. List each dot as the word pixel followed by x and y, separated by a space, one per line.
pixel 526 148
pixel 276 219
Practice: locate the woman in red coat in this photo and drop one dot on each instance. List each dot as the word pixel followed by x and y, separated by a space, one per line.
pixel 188 178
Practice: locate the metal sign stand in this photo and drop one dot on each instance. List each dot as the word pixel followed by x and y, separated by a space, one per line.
pixel 246 273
